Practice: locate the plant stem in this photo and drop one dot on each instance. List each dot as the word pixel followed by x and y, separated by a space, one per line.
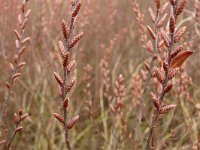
pixel 162 95
pixel 146 84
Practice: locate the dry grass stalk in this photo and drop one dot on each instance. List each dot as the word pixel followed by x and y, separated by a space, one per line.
pixel 105 65
pixel 142 26
pixel 170 69
pixel 157 18
pixel 17 120
pixel 17 64
pixel 16 67
pixel 65 85
pixel 116 110
pixel 87 90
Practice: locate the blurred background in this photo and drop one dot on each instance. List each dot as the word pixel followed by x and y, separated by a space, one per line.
pixel 113 43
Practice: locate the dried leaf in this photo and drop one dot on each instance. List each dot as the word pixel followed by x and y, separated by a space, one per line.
pixel 179 59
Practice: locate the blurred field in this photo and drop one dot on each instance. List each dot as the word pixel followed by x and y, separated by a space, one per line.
pixel 111 33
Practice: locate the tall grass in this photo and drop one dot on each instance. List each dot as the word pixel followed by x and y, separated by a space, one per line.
pixel 120 74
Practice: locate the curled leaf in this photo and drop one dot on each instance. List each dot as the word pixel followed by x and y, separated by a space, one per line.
pixel 179 59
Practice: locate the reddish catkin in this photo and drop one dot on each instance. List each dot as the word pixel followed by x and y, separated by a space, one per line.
pixel 26 40
pixel 179 34
pixel 17 34
pixel 166 109
pixel 152 34
pixel 165 38
pixel 75 40
pixel 20 112
pixel 156 103
pixel 147 66
pixel 8 85
pixel 172 73
pixel 149 47
pixel 153 17
pixel 15 118
pixel 159 75
pixel 155 100
pixel 176 51
pixel 173 2
pixel 75 12
pixel 72 122
pixel 58 79
pixel 165 65
pixel 21 51
pixel 59 117
pixel 180 8
pixel 157 3
pixel 16 76
pixel 65 59
pixel 70 85
pixel 172 24
pixel 66 103
pixel 18 129
pixel 21 64
pixel 65 29
pixel 62 48
pixel 160 23
pixel 70 66
pixel 168 87
pixel 23 117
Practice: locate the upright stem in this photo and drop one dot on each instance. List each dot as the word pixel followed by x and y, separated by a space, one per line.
pixel 162 95
pixel 16 68
pixel 146 84
pixel 64 93
pixel 14 134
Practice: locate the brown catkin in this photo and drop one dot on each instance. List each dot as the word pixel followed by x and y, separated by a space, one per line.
pixel 70 66
pixel 75 40
pixel 149 47
pixel 166 108
pixel 168 88
pixel 18 129
pixel 70 85
pixel 165 38
pixel 23 117
pixel 165 65
pixel 15 118
pixel 152 34
pixel 65 103
pixel 180 7
pixel 58 79
pixel 176 51
pixel 65 29
pixel 75 12
pixel 160 23
pixel 17 34
pixel 65 59
pixel 15 76
pixel 159 75
pixel 59 117
pixel 172 73
pixel 153 17
pixel 179 34
pixel 172 24
pixel 62 48
pixel 157 4
pixel 173 2
pixel 72 122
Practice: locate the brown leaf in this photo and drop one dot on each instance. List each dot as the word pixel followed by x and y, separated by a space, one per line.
pixel 179 59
